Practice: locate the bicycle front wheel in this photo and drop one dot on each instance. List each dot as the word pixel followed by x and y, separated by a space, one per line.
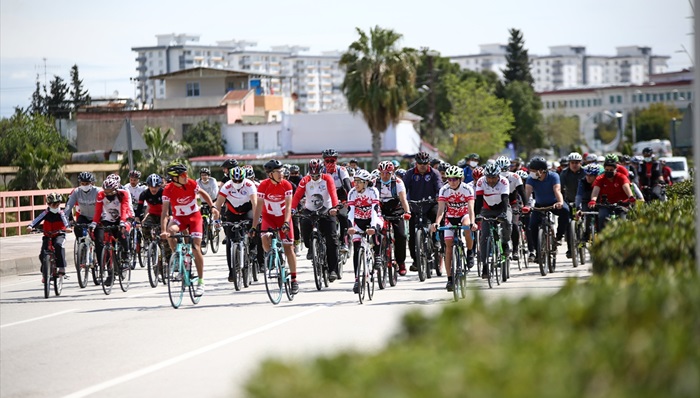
pixel 203 247
pixel 543 252
pixel 573 242
pixel 215 238
pixel 360 275
pixel 124 272
pixel 192 286
pixel 456 271
pixel 421 255
pixel 58 284
pixel 246 265
pixel 317 265
pixel 46 274
pixel 106 270
pixel 236 266
pixel 81 266
pixel 152 263
pixel 273 283
pixel 176 280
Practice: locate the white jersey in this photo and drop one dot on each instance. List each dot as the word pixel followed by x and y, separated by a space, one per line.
pixel 456 200
pixel 339 175
pixel 385 193
pixel 238 197
pixel 211 187
pixel 363 206
pixel 317 193
pixel 492 195
pixel 514 180
pixel 135 192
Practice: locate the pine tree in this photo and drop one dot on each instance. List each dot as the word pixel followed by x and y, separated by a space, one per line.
pixel 79 97
pixel 517 60
pixel 57 102
pixel 38 104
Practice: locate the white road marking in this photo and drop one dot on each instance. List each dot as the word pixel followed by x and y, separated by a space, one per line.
pixel 163 364
pixel 37 319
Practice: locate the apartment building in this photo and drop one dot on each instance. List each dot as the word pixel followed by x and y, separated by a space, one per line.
pixel 313 80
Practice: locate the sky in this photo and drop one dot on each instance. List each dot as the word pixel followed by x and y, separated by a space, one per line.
pixel 48 37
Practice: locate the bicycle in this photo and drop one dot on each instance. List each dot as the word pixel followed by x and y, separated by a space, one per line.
pixel 497 262
pixel 111 255
pixel 238 248
pixel 155 250
pixel 180 271
pixel 572 240
pixel 211 231
pixel 365 269
pixel 135 241
pixel 342 240
pixel 585 221
pixel 49 270
pixel 388 269
pixel 523 253
pixel 616 210
pixel 427 255
pixel 85 258
pixel 276 276
pixel 546 241
pixel 319 260
pixel 459 271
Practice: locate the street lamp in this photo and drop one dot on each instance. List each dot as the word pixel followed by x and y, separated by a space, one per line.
pixel 616 141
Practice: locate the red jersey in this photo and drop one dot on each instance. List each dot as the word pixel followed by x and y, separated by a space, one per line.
pixel 183 200
pixel 116 210
pixel 273 197
pixel 613 189
pixel 623 170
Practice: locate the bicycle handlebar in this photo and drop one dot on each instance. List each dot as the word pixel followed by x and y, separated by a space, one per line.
pixel 455 227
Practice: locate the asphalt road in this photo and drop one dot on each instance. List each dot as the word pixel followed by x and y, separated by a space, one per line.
pixel 135 344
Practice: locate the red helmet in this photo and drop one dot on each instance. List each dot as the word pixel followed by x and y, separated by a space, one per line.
pixel 314 166
pixel 385 166
pixel 477 173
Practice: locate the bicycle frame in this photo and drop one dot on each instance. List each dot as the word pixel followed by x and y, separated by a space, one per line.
pixel 457 268
pixel 275 270
pixel 318 245
pixel 49 268
pixel 179 271
pixel 365 268
pixel 546 241
pixel 425 251
pixel 237 247
pixel 496 261
pixel 389 267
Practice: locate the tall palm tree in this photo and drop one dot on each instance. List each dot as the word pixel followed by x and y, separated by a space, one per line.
pixel 161 150
pixel 379 79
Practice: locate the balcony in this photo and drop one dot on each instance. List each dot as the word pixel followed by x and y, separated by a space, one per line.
pixel 141 68
pixel 141 59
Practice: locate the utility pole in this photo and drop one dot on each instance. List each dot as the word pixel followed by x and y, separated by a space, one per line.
pixel 431 94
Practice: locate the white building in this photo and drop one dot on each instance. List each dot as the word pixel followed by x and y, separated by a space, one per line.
pixel 491 57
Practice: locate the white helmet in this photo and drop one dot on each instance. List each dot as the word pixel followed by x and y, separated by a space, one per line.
pixel 575 156
pixel 363 175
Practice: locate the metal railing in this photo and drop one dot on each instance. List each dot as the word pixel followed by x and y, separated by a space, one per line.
pixel 18 208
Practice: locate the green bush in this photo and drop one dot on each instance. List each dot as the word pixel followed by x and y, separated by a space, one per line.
pixel 655 236
pixel 681 189
pixel 612 337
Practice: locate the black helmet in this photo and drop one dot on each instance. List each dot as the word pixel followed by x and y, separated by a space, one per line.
pixel 86 176
pixel 422 158
pixel 538 163
pixel 435 162
pixel 175 169
pixel 443 166
pixel 54 197
pixel 154 180
pixel 272 165
pixel 134 174
pixel 647 151
pixel 353 160
pixel 229 163
pixel 294 168
pixel 474 156
pixel 205 170
pixel 329 153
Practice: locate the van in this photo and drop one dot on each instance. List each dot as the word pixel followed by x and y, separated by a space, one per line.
pixel 679 167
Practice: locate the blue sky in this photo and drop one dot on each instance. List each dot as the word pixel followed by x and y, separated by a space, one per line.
pixel 98 36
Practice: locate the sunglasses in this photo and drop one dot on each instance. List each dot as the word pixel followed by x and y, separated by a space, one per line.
pixel 315 175
pixel 359 181
pixel 453 179
pixel 237 181
pixel 329 160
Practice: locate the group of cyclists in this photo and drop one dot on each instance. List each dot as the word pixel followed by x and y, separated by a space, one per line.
pixel 357 201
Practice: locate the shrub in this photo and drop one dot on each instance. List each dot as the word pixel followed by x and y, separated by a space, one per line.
pixel 609 338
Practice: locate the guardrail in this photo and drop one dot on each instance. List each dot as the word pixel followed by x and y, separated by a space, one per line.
pixel 18 208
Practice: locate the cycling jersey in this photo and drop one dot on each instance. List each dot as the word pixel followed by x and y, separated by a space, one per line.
pixel 53 222
pixel 211 187
pixel 364 206
pixel 135 191
pixel 154 202
pixel 115 210
pixel 492 195
pixel 544 189
pixel 183 199
pixel 613 189
pixel 389 194
pixel 339 175
pixel 569 183
pixel 238 200
pixel 456 200
pixel 319 194
pixel 273 197
pixel 421 186
pixel 83 202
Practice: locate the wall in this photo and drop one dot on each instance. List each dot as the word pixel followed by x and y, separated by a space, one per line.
pixel 267 138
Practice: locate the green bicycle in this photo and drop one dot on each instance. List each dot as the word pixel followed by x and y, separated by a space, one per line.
pixel 277 278
pixel 181 275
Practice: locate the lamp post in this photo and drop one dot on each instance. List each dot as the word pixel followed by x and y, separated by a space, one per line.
pixel 634 121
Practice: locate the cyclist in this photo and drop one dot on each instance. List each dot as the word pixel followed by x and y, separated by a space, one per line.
pixel 516 195
pixel 456 204
pixel 135 187
pixel 294 176
pixel 517 164
pixel 207 182
pixel 392 198
pixel 546 187
pixel 55 220
pixel 226 167
pixel 650 176
pixel 353 164
pixel 241 197
pixel 585 189
pixel 341 178
pixel 666 173
pixel 111 209
pixel 83 200
pixel 319 190
pixel 614 187
pixel 363 214
pixel 250 174
pixel 180 197
pixel 442 168
pixel 492 200
pixel 152 197
pixel 274 208
pixel 571 176
pixel 422 182
pixel 472 161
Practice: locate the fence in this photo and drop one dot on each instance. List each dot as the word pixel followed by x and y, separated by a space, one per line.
pixel 18 208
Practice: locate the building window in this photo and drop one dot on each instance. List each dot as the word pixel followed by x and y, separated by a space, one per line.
pixel 648 97
pixel 689 96
pixel 675 95
pixel 250 141
pixel 279 136
pixel 588 102
pixel 612 99
pixel 619 99
pixel 653 97
pixel 193 89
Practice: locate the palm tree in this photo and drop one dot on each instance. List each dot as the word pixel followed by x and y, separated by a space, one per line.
pixel 161 150
pixel 379 78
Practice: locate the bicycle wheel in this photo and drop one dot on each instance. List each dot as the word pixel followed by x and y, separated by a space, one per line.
pixel 273 284
pixel 81 266
pixel 46 274
pixel 462 276
pixel 456 270
pixel 391 266
pixel 139 249
pixel 552 252
pixel 124 272
pixel 253 261
pixel 543 259
pixel 496 261
pixel 317 265
pixel 214 240
pixel 58 284
pixel 152 263
pixel 505 268
pixel 203 247
pixel 106 270
pixel 192 286
pixel 523 248
pixel 382 277
pixel 176 280
pixel 370 281
pixel 360 275
pixel 246 265
pixel 236 266
pixel 76 252
pixel 580 243
pixel 96 277
pixel 573 242
pixel 288 286
pixel 487 266
pixel 421 255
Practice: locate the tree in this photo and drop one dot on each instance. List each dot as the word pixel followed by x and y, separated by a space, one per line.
pixel 79 97
pixel 57 102
pixel 161 150
pixel 204 138
pixel 38 104
pixel 379 79
pixel 517 60
pixel 561 131
pixel 40 167
pixel 479 121
pixel 655 121
pixel 526 106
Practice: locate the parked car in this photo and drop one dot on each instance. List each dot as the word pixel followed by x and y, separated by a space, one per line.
pixel 679 167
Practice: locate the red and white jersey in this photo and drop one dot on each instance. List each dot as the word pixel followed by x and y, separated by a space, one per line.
pixel 363 205
pixel 339 175
pixel 319 194
pixel 238 197
pixel 492 195
pixel 456 200
pixel 514 180
pixel 273 196
pixel 116 210
pixel 385 193
pixel 183 200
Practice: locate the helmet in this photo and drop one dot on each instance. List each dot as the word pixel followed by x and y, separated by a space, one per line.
pixel 205 170
pixel 637 159
pixel 626 158
pixel 86 176
pixel 329 153
pixel 374 174
pixel 134 174
pixel 538 163
pixel 175 169
pixel 611 158
pixel 386 166
pixel 647 151
pixel 293 168
pixel 422 158
pixel 115 177
pixel 363 175
pixel 110 183
pixel 600 159
pixel 592 170
pixel 492 170
pixel 401 172
pixel 351 172
pixel 229 163
pixel 236 173
pixel 154 180
pixel 503 163
pixel 287 166
pixel 454 172
pixel 477 173
pixel 523 174
pixel 592 157
pixel 353 160
pixel 517 160
pixel 563 160
pixel 54 197
pixel 443 166
pixel 474 156
pixel 272 164
pixel 285 172
pixel 575 156
pixel 434 162
pixel 249 172
pixel 314 166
